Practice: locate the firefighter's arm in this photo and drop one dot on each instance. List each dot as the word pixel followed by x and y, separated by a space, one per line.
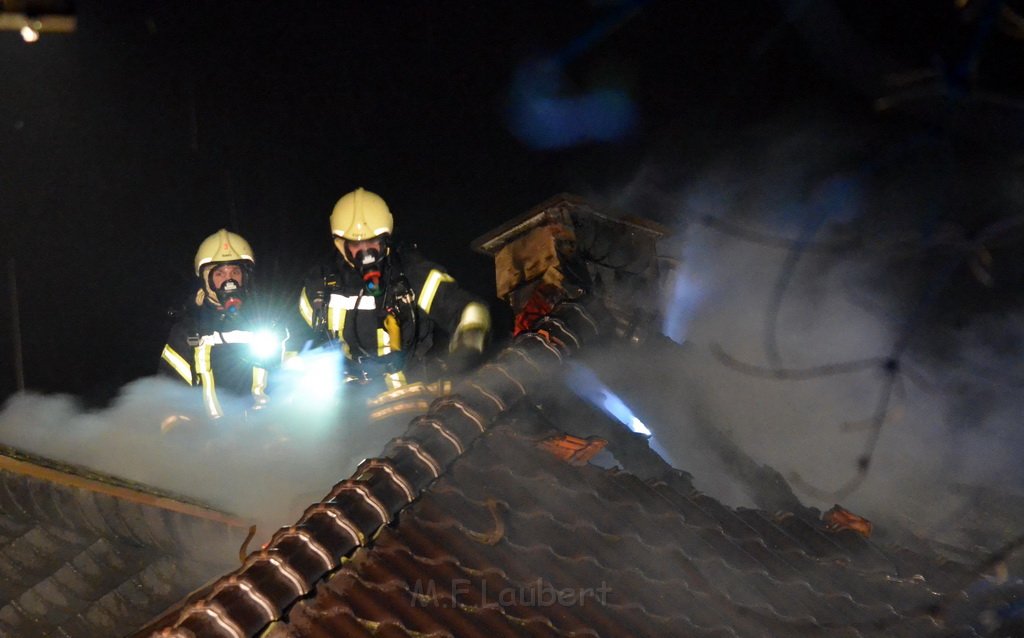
pixel 177 356
pixel 466 347
pixel 465 318
pixel 462 315
pixel 473 329
pixel 306 307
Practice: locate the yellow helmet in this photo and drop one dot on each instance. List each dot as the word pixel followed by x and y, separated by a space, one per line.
pixel 221 247
pixel 361 215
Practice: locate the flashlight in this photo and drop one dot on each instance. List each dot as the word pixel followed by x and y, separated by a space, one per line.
pixel 264 344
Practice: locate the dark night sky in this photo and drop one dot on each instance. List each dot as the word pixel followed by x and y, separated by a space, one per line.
pixel 155 124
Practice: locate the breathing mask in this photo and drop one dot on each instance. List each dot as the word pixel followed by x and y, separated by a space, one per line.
pixel 226 291
pixel 369 261
pixel 231 296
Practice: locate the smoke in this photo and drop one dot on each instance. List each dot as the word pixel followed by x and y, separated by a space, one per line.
pixel 266 466
pixel 805 246
pixel 841 303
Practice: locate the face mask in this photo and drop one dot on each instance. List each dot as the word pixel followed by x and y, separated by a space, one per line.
pixel 368 261
pixel 231 296
pixel 366 258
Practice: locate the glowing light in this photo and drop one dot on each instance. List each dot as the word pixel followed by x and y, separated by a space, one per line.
pixel 614 406
pixel 28 34
pixel 638 426
pixel 312 379
pixel 587 386
pixel 322 377
pixel 265 344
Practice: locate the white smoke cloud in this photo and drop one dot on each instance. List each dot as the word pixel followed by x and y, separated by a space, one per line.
pixel 952 427
pixel 265 466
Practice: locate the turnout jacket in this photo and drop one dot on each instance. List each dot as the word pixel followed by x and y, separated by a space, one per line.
pixel 397 335
pixel 208 349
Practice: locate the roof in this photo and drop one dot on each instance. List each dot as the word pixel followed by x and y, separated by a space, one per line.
pixel 474 523
pixel 86 554
pixel 489 517
pixel 514 541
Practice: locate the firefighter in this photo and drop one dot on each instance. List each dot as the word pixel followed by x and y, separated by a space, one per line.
pixel 217 342
pixel 401 321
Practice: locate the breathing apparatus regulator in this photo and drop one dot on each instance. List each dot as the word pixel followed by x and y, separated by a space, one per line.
pixel 231 295
pixel 370 263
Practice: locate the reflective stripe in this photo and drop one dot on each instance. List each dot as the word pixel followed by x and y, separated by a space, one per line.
pixel 305 308
pixel 206 377
pixel 177 362
pixel 348 302
pixel 430 286
pixel 395 380
pixel 336 319
pixel 394 331
pixel 232 336
pixel 259 381
pixel 400 408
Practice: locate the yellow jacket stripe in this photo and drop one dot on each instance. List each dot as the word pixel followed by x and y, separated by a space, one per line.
pixel 394 380
pixel 205 373
pixel 305 308
pixel 430 286
pixel 259 381
pixel 336 318
pixel 177 362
